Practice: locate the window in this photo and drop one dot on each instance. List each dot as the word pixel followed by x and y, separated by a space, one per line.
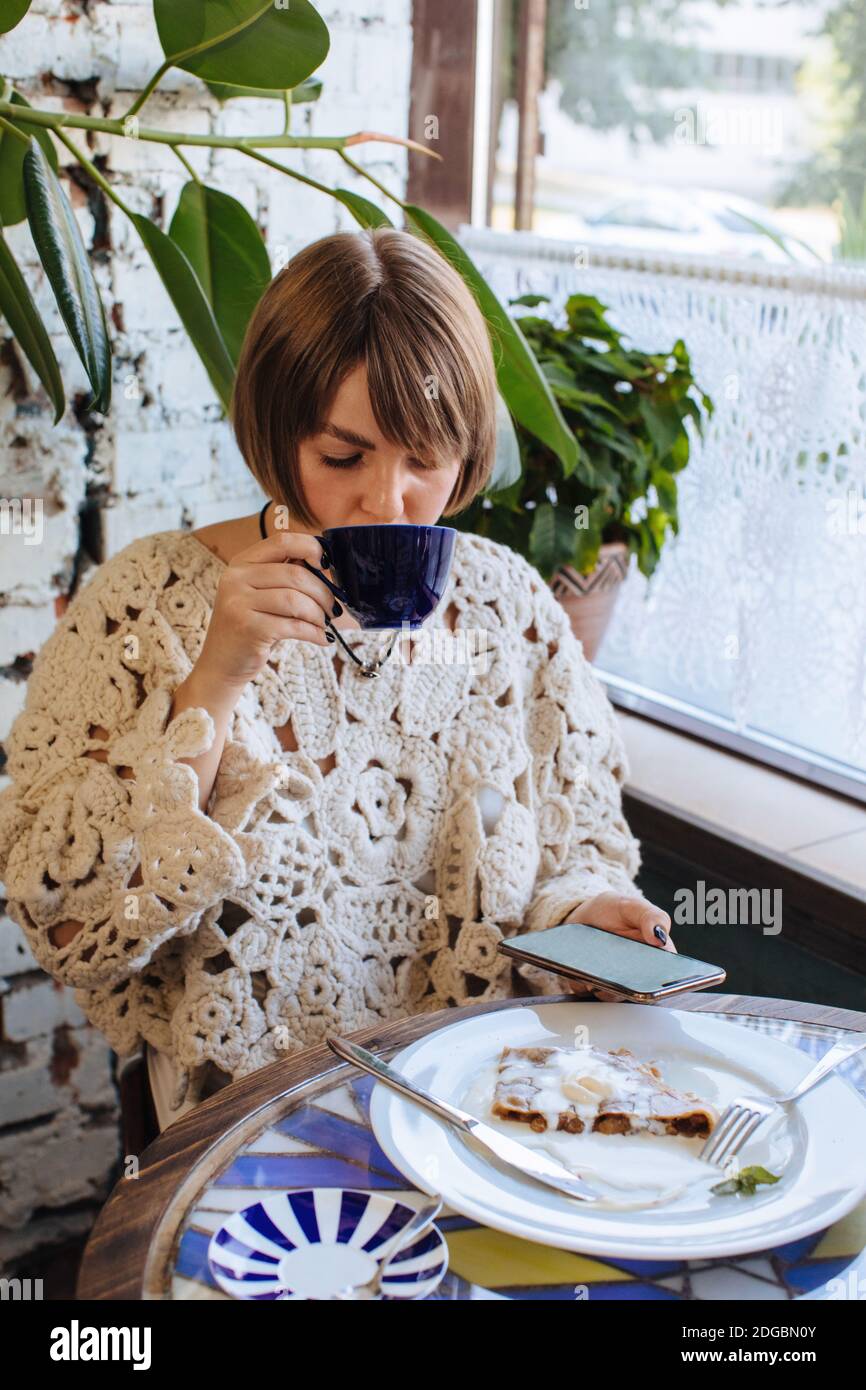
pixel 736 156
pixel 756 101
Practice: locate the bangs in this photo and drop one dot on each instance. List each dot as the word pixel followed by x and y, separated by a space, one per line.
pixel 419 390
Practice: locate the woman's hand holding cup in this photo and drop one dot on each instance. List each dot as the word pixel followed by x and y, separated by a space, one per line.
pixel 262 599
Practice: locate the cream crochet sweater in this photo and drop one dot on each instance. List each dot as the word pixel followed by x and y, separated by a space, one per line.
pixel 466 799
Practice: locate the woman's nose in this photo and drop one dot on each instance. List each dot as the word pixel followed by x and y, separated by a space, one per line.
pixel 384 503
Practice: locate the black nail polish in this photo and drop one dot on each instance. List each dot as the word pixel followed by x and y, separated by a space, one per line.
pixel 337 609
pixel 330 637
pixel 326 560
pixel 660 933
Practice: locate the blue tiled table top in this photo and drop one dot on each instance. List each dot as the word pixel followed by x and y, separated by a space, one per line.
pixel 323 1138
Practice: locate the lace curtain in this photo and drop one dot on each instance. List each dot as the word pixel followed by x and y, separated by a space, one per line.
pixel 756 615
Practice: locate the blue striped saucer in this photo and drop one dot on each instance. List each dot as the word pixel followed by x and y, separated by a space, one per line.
pixel 309 1244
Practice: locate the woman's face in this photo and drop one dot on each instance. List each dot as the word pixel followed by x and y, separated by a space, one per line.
pixel 352 476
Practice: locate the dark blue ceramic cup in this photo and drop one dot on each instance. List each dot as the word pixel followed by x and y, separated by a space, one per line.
pixel 387 575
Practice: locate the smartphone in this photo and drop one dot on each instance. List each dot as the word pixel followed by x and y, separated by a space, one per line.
pixel 640 972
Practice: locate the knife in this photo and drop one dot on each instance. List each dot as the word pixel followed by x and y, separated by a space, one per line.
pixel 527 1161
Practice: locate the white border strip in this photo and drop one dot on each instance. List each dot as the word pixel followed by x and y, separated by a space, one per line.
pixel 847 282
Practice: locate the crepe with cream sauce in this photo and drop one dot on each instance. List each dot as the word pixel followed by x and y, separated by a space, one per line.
pixel 586 1089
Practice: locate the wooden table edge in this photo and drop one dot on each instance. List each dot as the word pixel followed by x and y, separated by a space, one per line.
pixel 132 1237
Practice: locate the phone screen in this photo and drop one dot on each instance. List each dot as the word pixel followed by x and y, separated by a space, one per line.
pixel 629 967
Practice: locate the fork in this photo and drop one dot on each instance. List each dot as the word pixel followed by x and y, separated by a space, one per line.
pixel 744 1113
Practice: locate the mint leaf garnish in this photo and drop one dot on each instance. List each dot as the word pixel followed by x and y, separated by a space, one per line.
pixel 745 1181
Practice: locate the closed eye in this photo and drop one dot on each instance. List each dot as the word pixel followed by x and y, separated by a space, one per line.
pixel 341 462
pixel 350 461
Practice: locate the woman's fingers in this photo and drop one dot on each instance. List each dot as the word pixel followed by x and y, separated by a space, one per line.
pixel 282 545
pixel 287 579
pixel 585 990
pixel 267 629
pixel 275 574
pixel 576 986
pixel 646 933
pixel 289 603
pixel 647 923
pixel 281 568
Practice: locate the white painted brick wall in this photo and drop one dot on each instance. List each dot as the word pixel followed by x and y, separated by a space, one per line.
pixel 39 1086
pixel 15 954
pixel 162 459
pixel 67 1159
pixel 33 1005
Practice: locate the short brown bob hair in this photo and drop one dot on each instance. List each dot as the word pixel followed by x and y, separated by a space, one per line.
pixel 388 299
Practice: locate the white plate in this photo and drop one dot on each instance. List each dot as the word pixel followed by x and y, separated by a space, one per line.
pixel 817 1145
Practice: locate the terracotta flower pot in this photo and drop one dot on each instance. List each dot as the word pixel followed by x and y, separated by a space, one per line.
pixel 589 599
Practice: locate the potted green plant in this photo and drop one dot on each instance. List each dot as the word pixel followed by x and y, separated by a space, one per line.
pixel 628 411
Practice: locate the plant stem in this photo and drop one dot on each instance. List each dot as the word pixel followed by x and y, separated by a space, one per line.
pixel 13 130
pixel 365 174
pixel 56 120
pixel 146 91
pixel 94 173
pixel 253 154
pixel 175 149
pixel 292 173
pixel 178 59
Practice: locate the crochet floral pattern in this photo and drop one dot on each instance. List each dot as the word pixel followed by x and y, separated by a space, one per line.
pixel 307 899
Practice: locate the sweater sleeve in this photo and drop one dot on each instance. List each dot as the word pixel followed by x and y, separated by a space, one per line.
pixel 106 831
pixel 579 768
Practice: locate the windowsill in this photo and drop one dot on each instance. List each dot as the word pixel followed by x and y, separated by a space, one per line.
pixel 812 830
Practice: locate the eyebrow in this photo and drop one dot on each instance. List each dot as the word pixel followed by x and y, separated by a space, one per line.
pixel 348 437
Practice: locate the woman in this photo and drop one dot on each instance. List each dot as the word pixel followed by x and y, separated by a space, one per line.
pixel 217 831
